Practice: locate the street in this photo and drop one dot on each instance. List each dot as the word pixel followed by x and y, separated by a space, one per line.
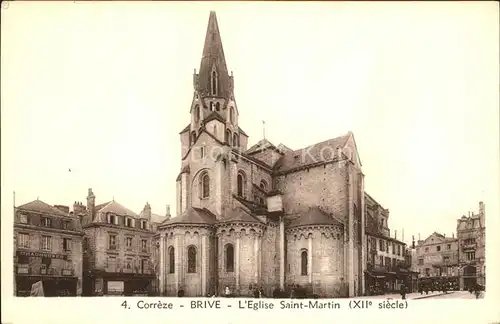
pixel 434 295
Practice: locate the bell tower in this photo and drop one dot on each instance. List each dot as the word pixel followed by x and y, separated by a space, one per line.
pixel 214 107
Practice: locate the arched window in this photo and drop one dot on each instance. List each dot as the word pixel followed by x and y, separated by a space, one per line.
pixel 229 258
pixel 205 185
pixel 228 136
pixel 191 259
pixel 235 139
pixel 303 263
pixel 171 259
pixel 193 137
pixel 197 113
pixel 214 83
pixel 241 184
pixel 231 115
pixel 217 106
pixel 263 185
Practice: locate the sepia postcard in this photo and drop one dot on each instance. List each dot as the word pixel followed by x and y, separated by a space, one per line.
pixel 231 162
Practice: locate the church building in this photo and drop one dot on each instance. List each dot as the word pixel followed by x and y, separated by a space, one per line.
pixel 266 216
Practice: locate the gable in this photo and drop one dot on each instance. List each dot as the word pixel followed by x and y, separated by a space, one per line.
pixel 351 151
pixel 434 238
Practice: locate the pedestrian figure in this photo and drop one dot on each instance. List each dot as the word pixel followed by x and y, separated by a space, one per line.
pixel 277 292
pixel 227 292
pixel 261 292
pixel 256 292
pixel 180 293
pixel 403 291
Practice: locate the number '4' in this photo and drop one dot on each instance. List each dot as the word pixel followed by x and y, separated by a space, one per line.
pixel 124 304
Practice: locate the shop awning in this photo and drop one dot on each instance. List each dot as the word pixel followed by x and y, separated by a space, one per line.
pixel 374 275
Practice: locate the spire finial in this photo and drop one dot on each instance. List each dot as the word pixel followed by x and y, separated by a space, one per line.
pixel 264 129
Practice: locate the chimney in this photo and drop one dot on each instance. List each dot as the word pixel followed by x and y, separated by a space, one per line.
pixel 168 212
pixel 79 208
pixel 396 234
pixel 481 208
pixel 91 204
pixel 147 211
pixel 412 242
pixel 453 235
pixel 64 209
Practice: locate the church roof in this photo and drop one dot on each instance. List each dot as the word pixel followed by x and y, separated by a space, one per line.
pixel 319 152
pixel 188 127
pixel 193 215
pixel 262 145
pixel 41 207
pixel 242 131
pixel 214 116
pixel 115 208
pixel 252 206
pixel 239 215
pixel 213 58
pixel 314 216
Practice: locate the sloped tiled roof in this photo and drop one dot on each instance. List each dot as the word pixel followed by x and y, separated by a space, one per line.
pixel 320 152
pixel 155 218
pixel 116 208
pixel 214 116
pixel 241 131
pixel 240 215
pixel 261 145
pixel 254 208
pixel 41 207
pixel 314 216
pixel 188 127
pixel 193 216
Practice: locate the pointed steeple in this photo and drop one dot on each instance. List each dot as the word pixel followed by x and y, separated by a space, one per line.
pixel 213 78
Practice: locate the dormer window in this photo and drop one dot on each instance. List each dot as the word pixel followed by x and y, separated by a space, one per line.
pixel 23 218
pixel 214 83
pixel 129 222
pixel 112 219
pixel 217 106
pixel 144 224
pixel 46 222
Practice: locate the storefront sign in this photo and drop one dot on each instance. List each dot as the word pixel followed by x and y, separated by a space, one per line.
pixel 41 254
pixel 115 286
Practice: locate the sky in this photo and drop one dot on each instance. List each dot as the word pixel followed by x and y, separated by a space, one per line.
pixel 104 89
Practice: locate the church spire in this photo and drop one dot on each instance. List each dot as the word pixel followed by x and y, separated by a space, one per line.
pixel 213 78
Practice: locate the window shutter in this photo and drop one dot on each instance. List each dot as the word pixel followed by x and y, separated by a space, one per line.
pixel 61 244
pixel 116 219
pixel 133 222
pixel 117 242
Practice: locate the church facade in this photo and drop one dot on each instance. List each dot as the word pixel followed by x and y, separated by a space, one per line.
pixel 265 216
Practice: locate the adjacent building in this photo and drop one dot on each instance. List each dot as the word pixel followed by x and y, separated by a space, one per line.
pixel 47 249
pixel 260 217
pixel 156 220
pixel 117 249
pixel 385 263
pixel 471 231
pixel 437 261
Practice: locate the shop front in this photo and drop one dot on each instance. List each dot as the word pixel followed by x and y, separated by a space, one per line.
pixel 101 283
pixel 53 286
pixel 375 283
